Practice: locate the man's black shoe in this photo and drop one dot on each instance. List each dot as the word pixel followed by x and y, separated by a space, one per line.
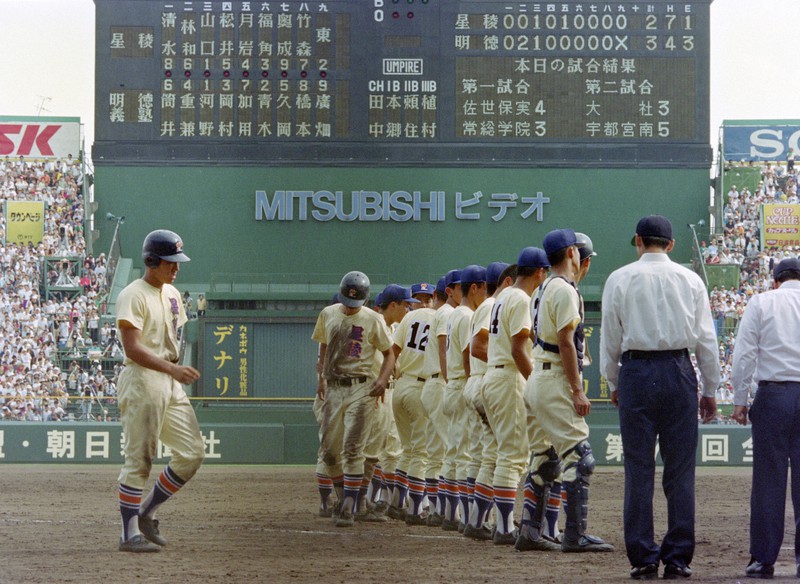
pixel 646 572
pixel 674 572
pixel 756 569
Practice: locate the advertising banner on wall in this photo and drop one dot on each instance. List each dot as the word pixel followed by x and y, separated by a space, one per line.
pixel 24 222
pixel 35 137
pixel 760 140
pixel 780 226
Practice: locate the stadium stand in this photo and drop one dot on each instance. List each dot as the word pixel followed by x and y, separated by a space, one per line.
pixel 54 362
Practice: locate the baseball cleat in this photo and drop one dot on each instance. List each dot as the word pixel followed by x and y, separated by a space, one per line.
pixel 138 544
pixel 371 516
pixel 434 520
pixel 482 533
pixel 586 543
pixel 541 544
pixel 149 529
pixel 345 519
pixel 416 519
pixel 505 538
pixel 675 572
pixel 450 524
pixel 325 512
pixel 396 513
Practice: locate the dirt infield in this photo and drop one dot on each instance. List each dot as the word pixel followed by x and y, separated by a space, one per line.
pixel 259 524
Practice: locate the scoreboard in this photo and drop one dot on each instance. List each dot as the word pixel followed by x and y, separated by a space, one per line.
pixel 415 82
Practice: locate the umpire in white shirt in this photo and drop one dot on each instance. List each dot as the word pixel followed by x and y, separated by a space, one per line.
pixel 655 313
pixel 767 353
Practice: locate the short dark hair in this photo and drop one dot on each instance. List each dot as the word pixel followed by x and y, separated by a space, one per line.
pixel 527 271
pixel 661 242
pixel 557 256
pixel 788 275
pixel 440 295
pixel 509 272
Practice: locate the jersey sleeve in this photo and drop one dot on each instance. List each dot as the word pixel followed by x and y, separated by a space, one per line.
pixel 131 308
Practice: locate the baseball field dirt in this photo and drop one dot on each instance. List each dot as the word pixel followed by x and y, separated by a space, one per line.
pixel 259 524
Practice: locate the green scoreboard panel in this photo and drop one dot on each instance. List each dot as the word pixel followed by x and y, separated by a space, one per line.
pixel 416 82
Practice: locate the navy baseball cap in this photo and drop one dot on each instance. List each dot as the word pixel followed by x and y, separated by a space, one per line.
pixel 559 239
pixel 473 274
pixel 532 257
pixel 452 277
pixel 422 288
pixel 378 299
pixel 494 270
pixel 395 293
pixel 441 286
pixel 653 226
pixel 786 265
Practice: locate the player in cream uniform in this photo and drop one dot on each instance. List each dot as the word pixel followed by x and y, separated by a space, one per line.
pixel 482 446
pixel 509 365
pixel 456 463
pixel 384 448
pixel 410 339
pixel 558 405
pixel 446 298
pixel 349 335
pixel 153 404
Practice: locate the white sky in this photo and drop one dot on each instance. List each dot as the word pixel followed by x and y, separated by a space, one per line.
pixel 47 60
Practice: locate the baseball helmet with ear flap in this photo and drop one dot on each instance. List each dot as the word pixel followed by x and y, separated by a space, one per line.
pixel 162 244
pixel 354 289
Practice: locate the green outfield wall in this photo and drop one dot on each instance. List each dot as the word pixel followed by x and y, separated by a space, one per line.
pixel 299 229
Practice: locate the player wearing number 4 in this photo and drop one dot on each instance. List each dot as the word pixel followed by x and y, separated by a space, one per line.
pixel 509 365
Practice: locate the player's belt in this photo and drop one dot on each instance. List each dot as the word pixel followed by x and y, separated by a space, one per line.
pixel 421 379
pixel 653 355
pixel 434 376
pixel 348 381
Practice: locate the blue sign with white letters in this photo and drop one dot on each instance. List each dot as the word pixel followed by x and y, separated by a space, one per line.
pixel 760 141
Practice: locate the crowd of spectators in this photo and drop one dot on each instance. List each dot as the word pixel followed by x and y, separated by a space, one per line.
pixel 740 244
pixel 39 330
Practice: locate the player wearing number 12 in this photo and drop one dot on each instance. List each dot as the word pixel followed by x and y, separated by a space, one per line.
pixel 410 339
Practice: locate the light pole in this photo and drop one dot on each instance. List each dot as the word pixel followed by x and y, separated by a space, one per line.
pixel 699 251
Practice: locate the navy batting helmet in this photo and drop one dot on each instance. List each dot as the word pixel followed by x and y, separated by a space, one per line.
pixel 587 250
pixel 354 289
pixel 162 244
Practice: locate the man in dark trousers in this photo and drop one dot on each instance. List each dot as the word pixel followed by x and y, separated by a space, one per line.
pixel 767 354
pixel 655 313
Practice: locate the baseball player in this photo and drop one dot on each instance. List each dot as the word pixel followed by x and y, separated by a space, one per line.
pixel 557 405
pixel 456 463
pixel 509 365
pixel 153 405
pixel 410 339
pixel 446 298
pixel 349 335
pixel 394 305
pixel 482 447
pixel 324 483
